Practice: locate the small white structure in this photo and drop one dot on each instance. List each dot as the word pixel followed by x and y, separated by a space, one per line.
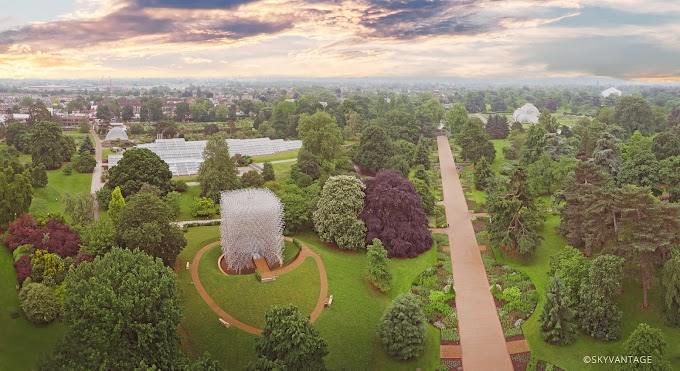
pixel 117 133
pixel 527 114
pixel 610 91
pixel 251 228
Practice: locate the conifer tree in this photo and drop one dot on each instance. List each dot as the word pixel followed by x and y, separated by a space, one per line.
pixel 116 205
pixel 598 315
pixel 646 341
pixel 376 271
pixel 483 174
pixel 268 174
pixel 670 284
pixel 39 176
pixel 402 328
pixel 557 320
pixel 422 154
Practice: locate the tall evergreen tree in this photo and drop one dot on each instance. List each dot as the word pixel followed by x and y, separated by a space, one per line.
pixel 483 174
pixel 548 121
pixel 497 126
pixel 456 118
pixel 268 174
pixel 375 149
pixel 218 171
pixel 422 154
pixel 670 285
pixel 47 145
pixel 534 146
pixel 289 341
pixel 376 270
pixel 116 204
pixel 598 314
pixel 39 176
pixel 607 153
pixel 86 146
pixel 475 142
pixel 402 328
pixel 558 325
pixel 423 190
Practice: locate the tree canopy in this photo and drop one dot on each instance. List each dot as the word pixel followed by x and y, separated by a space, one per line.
pixel 218 171
pixel 336 217
pixel 139 166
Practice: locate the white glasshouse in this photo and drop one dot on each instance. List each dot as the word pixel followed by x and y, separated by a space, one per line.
pixel 184 158
pixel 117 133
pixel 527 114
pixel 610 91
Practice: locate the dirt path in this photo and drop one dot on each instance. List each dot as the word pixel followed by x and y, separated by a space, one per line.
pixel 97 173
pixel 305 253
pixel 481 335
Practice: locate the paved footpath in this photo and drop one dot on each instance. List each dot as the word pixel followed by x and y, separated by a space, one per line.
pixel 481 335
pixel 97 173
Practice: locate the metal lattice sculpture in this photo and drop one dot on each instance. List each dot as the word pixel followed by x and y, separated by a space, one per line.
pixel 252 227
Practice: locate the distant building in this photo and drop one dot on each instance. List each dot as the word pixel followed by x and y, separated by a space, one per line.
pixel 527 114
pixel 611 91
pixel 72 120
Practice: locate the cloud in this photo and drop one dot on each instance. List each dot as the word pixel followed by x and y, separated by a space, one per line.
pixel 192 60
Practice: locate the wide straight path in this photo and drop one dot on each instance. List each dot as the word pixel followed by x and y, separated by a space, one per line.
pixel 481 335
pixel 97 173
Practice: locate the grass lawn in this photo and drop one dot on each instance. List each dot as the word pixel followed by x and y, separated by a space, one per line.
pixel 49 199
pixel 290 250
pixel 282 170
pixel 285 155
pixel 349 326
pixel 499 144
pixel 185 201
pixel 21 343
pixel 106 152
pixel 186 178
pixel 247 299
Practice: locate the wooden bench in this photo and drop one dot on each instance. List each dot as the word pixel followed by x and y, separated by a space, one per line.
pixel 329 302
pixel 225 323
pixel 187 265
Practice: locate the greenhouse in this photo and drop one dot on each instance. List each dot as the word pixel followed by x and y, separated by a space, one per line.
pixel 117 133
pixel 527 114
pixel 185 157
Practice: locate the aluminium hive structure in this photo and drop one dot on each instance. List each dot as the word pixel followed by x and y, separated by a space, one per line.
pixel 251 228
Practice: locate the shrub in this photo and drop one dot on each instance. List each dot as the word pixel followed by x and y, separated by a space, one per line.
pixel 437 302
pixel 179 185
pixel 202 207
pixel 512 296
pixel 402 328
pixel 104 197
pixel 39 303
pixel 68 170
pixel 23 268
pixel 22 250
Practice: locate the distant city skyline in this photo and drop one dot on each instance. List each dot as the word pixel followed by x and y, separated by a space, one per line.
pixel 64 39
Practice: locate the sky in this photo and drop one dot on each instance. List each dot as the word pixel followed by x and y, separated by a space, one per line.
pixel 63 39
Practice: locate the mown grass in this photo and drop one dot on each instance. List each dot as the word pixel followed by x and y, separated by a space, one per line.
pixel 185 201
pixel 285 155
pixel 349 326
pixel 22 343
pixel 50 199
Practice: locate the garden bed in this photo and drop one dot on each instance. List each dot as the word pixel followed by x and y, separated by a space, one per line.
pixel 438 219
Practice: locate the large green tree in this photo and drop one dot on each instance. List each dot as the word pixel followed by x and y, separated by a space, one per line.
pixel 497 126
pixel 456 118
pixel 402 328
pixel 645 341
pixel 16 194
pixel 640 166
pixel 290 342
pixel 475 142
pixel 139 166
pixel 422 154
pixel 80 207
pixel 320 135
pixel 534 146
pixel 49 146
pixel 284 119
pixel 558 325
pixel 598 314
pixel 145 223
pixel 399 123
pixel 218 171
pixel 634 113
pixel 670 286
pixel 375 149
pixel 336 218
pixel 571 267
pixel 120 311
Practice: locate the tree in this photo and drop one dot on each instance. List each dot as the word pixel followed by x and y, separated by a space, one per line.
pixel 39 303
pixel 548 121
pixel 456 118
pixel 16 194
pixel 202 207
pixel 665 145
pixel 670 285
pixel 336 218
pixel 598 315
pixel 84 163
pixel 427 199
pixel 399 124
pixel 252 178
pixel 570 267
pixel 211 129
pixel 640 166
pixel 104 113
pixel 320 135
pixel 48 146
pixel 497 127
pixel 607 153
pixel 646 341
pixel 556 146
pixel 516 217
pixel 475 142
pixel 401 226
pixel 182 111
pixel 145 223
pixel 116 204
pixel 80 207
pixel 84 126
pixel 19 136
pixel 68 170
pixel 290 341
pixel 284 119
pixel 422 154
pixel 172 200
pixel 558 325
pixel 376 270
pixel 375 149
pixel 86 146
pixel 298 206
pixel 402 328
pixel 104 330
pixel 428 116
pixel 483 175
pixel 634 113
pixel 218 171
pixel 98 238
pixel 127 113
pixel 534 146
pixel 39 176
pixel 139 166
pixel 268 174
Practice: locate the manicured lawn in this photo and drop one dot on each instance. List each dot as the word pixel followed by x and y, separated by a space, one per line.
pixel 21 342
pixel 499 144
pixel 282 170
pixel 186 178
pixel 286 155
pixel 106 153
pixel 23 158
pixel 290 250
pixel 349 326
pixel 247 299
pixel 49 199
pixel 185 201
